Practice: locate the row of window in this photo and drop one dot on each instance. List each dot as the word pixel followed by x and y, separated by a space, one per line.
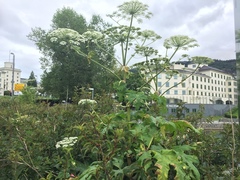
pixel 197 78
pixel 197 86
pixel 167 84
pixel 197 93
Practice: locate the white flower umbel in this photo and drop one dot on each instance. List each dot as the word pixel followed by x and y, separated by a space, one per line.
pixel 63 43
pixel 92 36
pixel 87 101
pixel 65 36
pixel 66 142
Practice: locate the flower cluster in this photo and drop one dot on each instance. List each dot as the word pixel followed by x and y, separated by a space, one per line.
pixel 66 142
pixel 87 101
pixel 66 36
pixel 92 36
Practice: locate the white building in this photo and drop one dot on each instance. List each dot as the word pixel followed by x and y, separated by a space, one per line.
pixel 6 73
pixel 207 85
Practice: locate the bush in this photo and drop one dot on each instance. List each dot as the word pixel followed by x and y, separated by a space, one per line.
pixel 7 93
pixel 233 113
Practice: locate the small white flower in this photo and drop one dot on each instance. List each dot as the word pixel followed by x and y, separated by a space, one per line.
pixel 53 39
pixel 87 101
pixel 63 43
pixel 66 142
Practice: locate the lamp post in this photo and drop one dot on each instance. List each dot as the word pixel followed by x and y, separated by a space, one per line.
pixel 13 73
pixel 92 89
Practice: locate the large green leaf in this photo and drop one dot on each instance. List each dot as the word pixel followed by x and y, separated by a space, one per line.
pixel 182 163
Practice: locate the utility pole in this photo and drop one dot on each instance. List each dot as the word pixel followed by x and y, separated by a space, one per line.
pixel 13 69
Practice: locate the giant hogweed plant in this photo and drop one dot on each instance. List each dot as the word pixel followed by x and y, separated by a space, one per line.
pixel 139 143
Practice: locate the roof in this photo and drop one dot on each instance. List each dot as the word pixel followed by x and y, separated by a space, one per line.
pixel 209 68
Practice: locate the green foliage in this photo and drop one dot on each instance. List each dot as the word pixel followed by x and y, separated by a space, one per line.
pixel 233 113
pixel 7 93
pixel 126 138
pixel 32 80
pixel 63 68
pixel 29 95
pixel 134 146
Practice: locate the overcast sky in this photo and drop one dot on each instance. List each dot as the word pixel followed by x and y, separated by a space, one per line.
pixel 210 22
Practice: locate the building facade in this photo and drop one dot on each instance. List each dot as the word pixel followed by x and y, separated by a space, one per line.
pixel 6 73
pixel 207 85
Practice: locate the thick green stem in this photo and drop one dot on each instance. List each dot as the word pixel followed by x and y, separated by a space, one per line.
pixel 127 42
pixel 84 55
pixel 173 54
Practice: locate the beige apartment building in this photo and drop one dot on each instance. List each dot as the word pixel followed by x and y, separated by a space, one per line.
pixel 6 73
pixel 207 85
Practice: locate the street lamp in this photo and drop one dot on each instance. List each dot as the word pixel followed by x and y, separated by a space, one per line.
pixel 92 89
pixel 13 73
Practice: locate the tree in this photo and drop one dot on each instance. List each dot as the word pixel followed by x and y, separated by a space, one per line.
pixel 63 68
pixel 32 80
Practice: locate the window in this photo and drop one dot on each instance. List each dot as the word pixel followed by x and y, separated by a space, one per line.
pixel 183 92
pixel 197 78
pixel 175 76
pixel 175 92
pixel 167 84
pixel 229 84
pixel 183 85
pixel 190 92
pixel 192 85
pixel 159 84
pixel 229 90
pixel 173 110
pixel 168 92
pixel 175 84
pixel 192 77
pixel 194 110
pixel 159 76
pixel 197 85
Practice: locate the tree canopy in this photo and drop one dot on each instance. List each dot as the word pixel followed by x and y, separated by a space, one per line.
pixel 64 69
pixel 32 80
